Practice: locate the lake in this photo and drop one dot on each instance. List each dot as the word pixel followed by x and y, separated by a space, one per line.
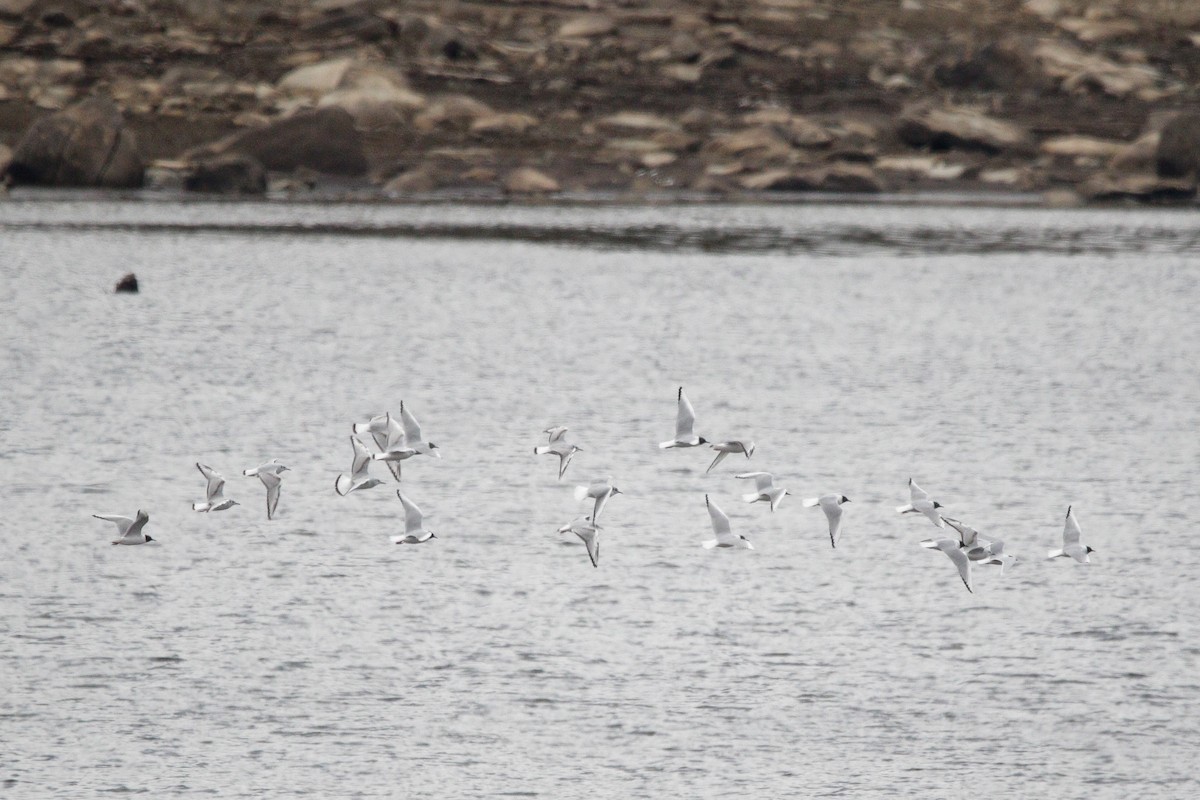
pixel 1012 360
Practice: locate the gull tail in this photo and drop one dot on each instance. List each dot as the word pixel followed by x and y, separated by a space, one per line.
pixel 665 445
pixel 581 492
pixel 905 509
pixel 750 498
pixel 709 545
pixel 930 543
pixel 1055 554
pixel 200 506
pixel 810 502
pixel 541 450
pixel 249 473
pixel 362 427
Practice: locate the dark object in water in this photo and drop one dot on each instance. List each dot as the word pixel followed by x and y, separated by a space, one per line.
pixel 127 284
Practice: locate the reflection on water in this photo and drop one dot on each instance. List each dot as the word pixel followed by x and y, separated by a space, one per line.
pixel 1014 360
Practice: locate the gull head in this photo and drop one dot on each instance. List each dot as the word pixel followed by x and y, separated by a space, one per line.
pixel 845 499
pixel 1090 550
pixel 617 491
pixel 148 539
pixel 433 447
pixel 936 504
pixel 701 440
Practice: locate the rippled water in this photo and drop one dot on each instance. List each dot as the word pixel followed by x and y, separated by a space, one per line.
pixel 1012 360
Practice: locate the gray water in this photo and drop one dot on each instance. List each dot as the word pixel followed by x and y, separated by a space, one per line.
pixel 1012 360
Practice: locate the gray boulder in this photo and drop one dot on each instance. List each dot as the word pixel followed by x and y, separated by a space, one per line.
pixel 324 140
pixel 87 144
pixel 1178 152
pixel 228 173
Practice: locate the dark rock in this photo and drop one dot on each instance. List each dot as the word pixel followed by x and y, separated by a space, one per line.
pixel 87 144
pixel 987 68
pixel 127 285
pixel 961 128
pixel 354 24
pixel 324 140
pixel 1179 147
pixel 1144 188
pixel 229 173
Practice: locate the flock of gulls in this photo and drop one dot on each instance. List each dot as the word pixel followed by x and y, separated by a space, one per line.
pixel 399 441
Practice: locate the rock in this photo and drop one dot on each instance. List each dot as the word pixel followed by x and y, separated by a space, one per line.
pixel 127 285
pixel 1178 151
pixel 961 128
pixel 324 140
pixel 988 68
pixel 684 73
pixel 372 93
pixel 1144 187
pixel 316 79
pixel 228 173
pixel 637 121
pixel 515 124
pixel 414 181
pixel 657 159
pixel 1082 147
pixel 853 178
pixel 454 110
pixel 930 167
pixel 527 180
pixel 586 26
pixel 762 141
pixel 1079 70
pixel 5 158
pixel 15 9
pixel 1140 155
pixel 88 144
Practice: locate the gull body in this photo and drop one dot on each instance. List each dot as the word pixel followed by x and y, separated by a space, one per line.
pixel 359 477
pixel 559 446
pixel 130 530
pixel 953 549
pixel 921 503
pixel 414 533
pixel 765 489
pixel 831 504
pixel 382 428
pixel 272 466
pixel 732 446
pixel 214 491
pixel 588 533
pixel 685 423
pixel 413 438
pixel 725 537
pixel 1072 547
pixel 601 492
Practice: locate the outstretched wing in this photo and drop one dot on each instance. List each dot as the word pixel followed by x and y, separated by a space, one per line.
pixel 362 458
pixel 555 434
pixel 916 492
pixel 412 515
pixel 412 428
pixel 685 418
pixel 834 512
pixel 272 481
pixel 959 557
pixel 124 524
pixel 966 534
pixel 1071 531
pixel 720 522
pixel 215 482
pixel 763 481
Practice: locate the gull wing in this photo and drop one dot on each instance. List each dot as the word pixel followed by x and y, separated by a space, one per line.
pixel 1071 531
pixel 412 428
pixel 272 481
pixel 720 454
pixel 833 512
pixel 556 433
pixel 563 460
pixel 962 562
pixel 720 522
pixel 966 534
pixel 685 418
pixel 215 482
pixel 601 501
pixel 413 517
pixel 763 481
pixel 124 524
pixel 591 540
pixel 916 492
pixel 361 462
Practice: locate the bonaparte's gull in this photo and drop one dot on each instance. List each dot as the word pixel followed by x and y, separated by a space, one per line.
pixel 1072 548
pixel 601 491
pixel 560 447
pixel 766 489
pixel 720 525
pixel 359 469
pixel 215 491
pixel 1004 560
pixel 921 503
pixel 976 547
pixel 732 446
pixel 382 428
pixel 831 504
pixel 270 475
pixel 588 533
pixel 953 549
pixel 130 530
pixel 413 532
pixel 685 421
pixel 412 434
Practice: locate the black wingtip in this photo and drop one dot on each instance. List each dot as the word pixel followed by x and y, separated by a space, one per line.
pixel 1068 511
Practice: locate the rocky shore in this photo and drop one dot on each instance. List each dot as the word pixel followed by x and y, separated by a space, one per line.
pixel 1079 100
